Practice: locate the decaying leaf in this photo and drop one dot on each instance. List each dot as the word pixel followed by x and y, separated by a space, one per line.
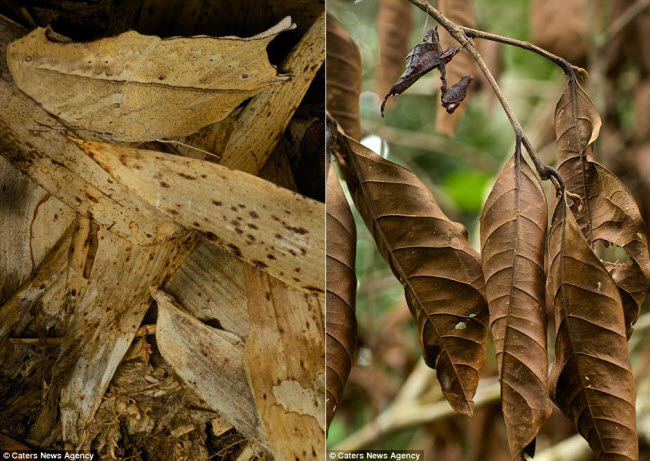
pixel 208 360
pixel 513 236
pixel 277 230
pixel 141 88
pixel 432 258
pixel 341 326
pixel 609 213
pixel 461 12
pixel 284 359
pixel 343 83
pixel 591 379
pixel 394 21
pixel 424 58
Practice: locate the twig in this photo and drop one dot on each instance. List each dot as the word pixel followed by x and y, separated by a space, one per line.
pixel 460 35
pixel 413 413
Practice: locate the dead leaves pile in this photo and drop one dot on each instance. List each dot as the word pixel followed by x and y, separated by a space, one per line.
pixel 451 290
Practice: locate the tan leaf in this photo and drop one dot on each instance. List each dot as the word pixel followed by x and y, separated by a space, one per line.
pixel 461 12
pixel 343 84
pixel 432 258
pixel 568 35
pixel 141 88
pixel 284 360
pixel 277 230
pixel 513 235
pixel 608 213
pixel 341 323
pixel 394 21
pixel 591 379
pixel 209 361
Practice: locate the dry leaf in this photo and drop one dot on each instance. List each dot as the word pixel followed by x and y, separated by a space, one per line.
pixel 461 12
pixel 432 258
pixel 285 365
pixel 141 88
pixel 341 326
pixel 591 380
pixel 394 22
pixel 513 235
pixel 277 230
pixel 209 361
pixel 343 84
pixel 608 213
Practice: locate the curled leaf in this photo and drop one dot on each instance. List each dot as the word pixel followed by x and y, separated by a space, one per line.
pixel 432 258
pixel 341 326
pixel 422 59
pixel 591 379
pixel 609 213
pixel 343 77
pixel 513 235
pixel 452 98
pixel 128 87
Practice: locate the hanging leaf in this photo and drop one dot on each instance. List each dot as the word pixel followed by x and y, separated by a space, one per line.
pixel 432 258
pixel 128 86
pixel 452 98
pixel 461 12
pixel 343 77
pixel 513 234
pixel 609 213
pixel 394 22
pixel 591 380
pixel 422 59
pixel 341 326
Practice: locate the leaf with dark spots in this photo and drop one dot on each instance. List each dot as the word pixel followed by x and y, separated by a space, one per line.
pixel 591 379
pixel 432 258
pixel 513 235
pixel 452 98
pixel 608 214
pixel 341 281
pixel 422 59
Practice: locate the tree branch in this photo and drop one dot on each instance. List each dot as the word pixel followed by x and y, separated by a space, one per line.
pixel 460 34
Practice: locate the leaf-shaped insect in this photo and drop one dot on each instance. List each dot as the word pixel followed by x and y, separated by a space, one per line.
pixel 452 98
pixel 591 379
pixel 424 58
pixel 341 326
pixel 513 235
pixel 432 258
pixel 343 77
pixel 608 213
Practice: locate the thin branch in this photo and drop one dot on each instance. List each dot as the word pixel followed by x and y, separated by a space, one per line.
pixel 459 34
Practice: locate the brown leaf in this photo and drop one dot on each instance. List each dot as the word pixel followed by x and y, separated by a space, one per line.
pixel 608 213
pixel 341 326
pixel 461 12
pixel 591 379
pixel 209 361
pixel 276 230
pixel 513 235
pixel 394 21
pixel 343 78
pixel 432 258
pixel 128 87
pixel 422 59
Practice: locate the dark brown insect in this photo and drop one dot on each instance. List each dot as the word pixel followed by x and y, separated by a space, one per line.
pixel 424 58
pixel 452 98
